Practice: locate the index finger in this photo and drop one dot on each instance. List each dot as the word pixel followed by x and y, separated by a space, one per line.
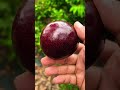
pixel 46 61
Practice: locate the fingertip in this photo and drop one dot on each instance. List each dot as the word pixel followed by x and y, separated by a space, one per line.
pixel 54 81
pixel 46 61
pixel 78 25
pixel 51 71
pixel 57 80
pixel 77 22
pixel 43 60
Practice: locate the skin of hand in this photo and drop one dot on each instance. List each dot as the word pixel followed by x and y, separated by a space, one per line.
pixel 25 81
pixel 109 11
pixel 72 68
pixel 108 76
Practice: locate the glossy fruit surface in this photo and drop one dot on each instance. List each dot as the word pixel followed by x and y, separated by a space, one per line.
pixel 58 40
pixel 94 34
pixel 23 34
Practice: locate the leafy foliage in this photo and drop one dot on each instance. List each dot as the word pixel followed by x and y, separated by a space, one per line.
pixel 47 11
pixel 9 65
pixel 7 12
pixel 68 87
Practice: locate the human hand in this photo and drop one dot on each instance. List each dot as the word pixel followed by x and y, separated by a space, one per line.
pixel 25 81
pixel 72 68
pixel 106 77
pixel 109 11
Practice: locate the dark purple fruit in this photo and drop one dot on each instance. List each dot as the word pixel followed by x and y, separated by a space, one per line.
pixel 94 34
pixel 23 34
pixel 58 40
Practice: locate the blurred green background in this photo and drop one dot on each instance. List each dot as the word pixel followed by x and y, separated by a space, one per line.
pixel 8 10
pixel 9 64
pixel 47 11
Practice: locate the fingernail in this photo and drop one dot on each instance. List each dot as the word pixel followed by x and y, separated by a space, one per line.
pixel 78 24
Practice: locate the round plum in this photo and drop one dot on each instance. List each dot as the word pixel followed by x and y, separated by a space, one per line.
pixel 23 34
pixel 59 40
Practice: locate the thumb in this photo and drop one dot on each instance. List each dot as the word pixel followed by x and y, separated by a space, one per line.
pixel 80 29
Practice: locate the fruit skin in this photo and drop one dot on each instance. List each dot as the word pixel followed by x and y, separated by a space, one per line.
pixel 58 40
pixel 23 34
pixel 94 34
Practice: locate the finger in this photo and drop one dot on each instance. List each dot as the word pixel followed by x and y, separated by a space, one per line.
pixel 83 85
pixel 55 70
pixel 80 64
pixel 60 79
pixel 46 61
pixel 81 58
pixel 79 47
pixel 80 67
pixel 80 29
